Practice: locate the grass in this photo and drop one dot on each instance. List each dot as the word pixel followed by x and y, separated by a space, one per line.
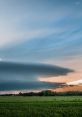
pixel 61 106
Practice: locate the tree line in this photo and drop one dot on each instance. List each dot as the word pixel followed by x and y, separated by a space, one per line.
pixel 48 93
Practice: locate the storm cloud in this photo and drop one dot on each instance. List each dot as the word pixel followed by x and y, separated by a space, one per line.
pixel 25 76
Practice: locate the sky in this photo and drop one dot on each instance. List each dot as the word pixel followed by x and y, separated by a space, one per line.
pixel 43 32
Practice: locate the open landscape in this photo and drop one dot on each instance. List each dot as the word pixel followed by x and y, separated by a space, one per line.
pixel 40 58
pixel 56 106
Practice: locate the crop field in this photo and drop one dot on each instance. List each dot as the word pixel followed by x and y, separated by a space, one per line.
pixel 55 106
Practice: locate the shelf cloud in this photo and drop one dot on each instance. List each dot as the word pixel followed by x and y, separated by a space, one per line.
pixel 26 75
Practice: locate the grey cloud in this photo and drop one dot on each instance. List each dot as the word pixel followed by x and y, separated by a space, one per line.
pixel 28 85
pixel 25 76
pixel 43 69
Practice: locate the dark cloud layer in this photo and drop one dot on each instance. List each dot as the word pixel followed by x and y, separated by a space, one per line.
pixel 43 69
pixel 28 85
pixel 25 76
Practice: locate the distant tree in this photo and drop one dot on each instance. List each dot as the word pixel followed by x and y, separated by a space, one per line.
pixel 20 93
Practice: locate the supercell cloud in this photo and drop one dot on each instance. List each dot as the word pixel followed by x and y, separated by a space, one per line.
pixel 25 76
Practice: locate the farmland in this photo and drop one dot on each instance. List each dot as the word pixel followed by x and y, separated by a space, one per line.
pixel 45 106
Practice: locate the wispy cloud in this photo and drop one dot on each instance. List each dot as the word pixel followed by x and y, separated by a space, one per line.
pixel 25 20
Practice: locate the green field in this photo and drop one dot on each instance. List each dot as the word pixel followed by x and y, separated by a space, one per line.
pixel 61 106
